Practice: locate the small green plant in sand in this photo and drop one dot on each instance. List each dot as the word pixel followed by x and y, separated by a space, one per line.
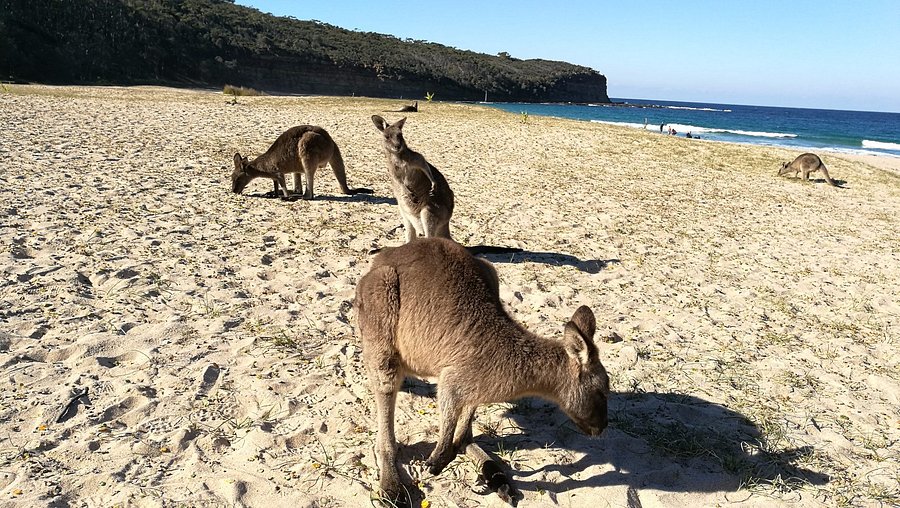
pixel 210 308
pixel 239 91
pixel 325 465
pixel 429 96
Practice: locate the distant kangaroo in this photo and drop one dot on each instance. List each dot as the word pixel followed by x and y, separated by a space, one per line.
pixel 806 163
pixel 430 309
pixel 422 192
pixel 304 148
pixel 412 108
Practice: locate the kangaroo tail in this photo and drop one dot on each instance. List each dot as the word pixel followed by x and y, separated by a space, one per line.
pixel 490 472
pixel 827 177
pixel 340 173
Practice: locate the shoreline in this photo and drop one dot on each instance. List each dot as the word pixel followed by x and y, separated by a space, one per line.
pixel 885 162
pixel 752 132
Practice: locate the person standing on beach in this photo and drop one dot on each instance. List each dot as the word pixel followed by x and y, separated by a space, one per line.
pixel 661 127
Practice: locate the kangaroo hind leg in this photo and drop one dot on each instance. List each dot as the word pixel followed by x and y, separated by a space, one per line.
pixel 453 412
pixel 298 183
pixel 378 307
pixel 309 171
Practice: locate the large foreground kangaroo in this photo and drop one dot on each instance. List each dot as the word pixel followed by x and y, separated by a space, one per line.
pixel 422 192
pixel 432 310
pixel 806 164
pixel 304 148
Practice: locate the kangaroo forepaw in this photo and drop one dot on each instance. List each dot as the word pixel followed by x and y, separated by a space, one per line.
pixel 437 464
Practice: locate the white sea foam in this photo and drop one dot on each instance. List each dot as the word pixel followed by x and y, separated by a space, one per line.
pixel 757 134
pixel 854 151
pixel 627 124
pixel 683 128
pixel 667 107
pixel 867 143
pixel 698 109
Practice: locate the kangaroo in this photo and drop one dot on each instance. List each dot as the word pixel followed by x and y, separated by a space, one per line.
pixel 422 192
pixel 806 163
pixel 304 148
pixel 411 108
pixel 430 309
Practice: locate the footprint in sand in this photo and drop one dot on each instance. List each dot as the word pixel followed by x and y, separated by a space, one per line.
pixel 126 273
pixel 210 376
pixel 134 359
pixel 19 250
pixel 125 406
pixel 6 479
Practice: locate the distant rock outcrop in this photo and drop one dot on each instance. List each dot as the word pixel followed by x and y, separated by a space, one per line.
pixel 214 42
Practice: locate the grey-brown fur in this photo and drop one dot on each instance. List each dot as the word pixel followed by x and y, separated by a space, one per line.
pixel 806 164
pixel 300 149
pixel 422 192
pixel 430 309
pixel 411 108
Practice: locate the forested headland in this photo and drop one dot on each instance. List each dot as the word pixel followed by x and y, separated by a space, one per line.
pixel 210 43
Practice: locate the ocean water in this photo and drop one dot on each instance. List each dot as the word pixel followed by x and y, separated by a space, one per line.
pixel 813 129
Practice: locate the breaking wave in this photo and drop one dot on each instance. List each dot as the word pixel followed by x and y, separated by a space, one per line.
pixel 682 128
pixel 698 109
pixel 867 143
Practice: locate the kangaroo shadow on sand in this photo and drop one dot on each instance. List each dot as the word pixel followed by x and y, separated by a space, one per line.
pixel 364 198
pixel 662 441
pixel 549 258
pixel 840 184
pixel 659 441
pixel 837 183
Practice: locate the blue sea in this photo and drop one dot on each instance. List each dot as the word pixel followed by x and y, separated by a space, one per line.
pixel 859 132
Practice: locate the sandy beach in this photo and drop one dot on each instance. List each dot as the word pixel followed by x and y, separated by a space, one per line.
pixel 165 342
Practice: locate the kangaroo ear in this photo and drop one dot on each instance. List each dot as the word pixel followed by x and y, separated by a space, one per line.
pixel 584 319
pixel 577 345
pixel 400 123
pixel 379 122
pixel 237 160
pixel 579 334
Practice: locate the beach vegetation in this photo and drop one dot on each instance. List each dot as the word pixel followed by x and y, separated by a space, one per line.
pixel 240 91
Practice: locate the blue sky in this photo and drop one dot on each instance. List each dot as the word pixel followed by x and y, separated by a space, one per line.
pixel 820 54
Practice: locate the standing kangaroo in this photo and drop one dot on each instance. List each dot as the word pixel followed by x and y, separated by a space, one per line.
pixel 422 192
pixel 806 163
pixel 430 309
pixel 304 148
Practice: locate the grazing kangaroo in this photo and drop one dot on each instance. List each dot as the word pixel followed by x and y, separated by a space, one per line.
pixel 304 148
pixel 422 192
pixel 806 163
pixel 430 309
